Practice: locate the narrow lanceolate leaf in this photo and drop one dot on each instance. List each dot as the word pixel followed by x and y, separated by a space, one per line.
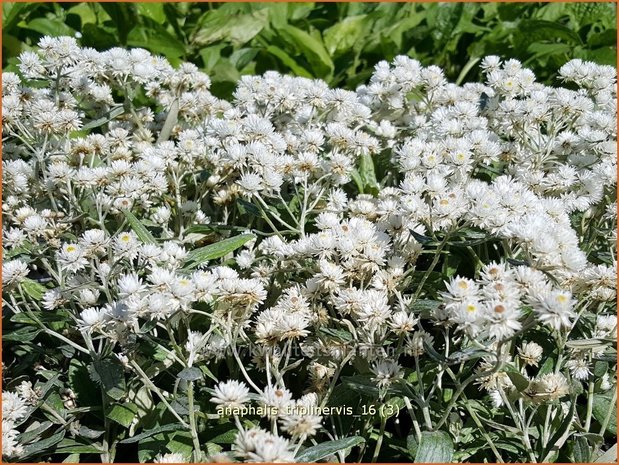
pixel 104 119
pixel 43 444
pixel 216 250
pixel 435 447
pixel 315 453
pixel 140 230
pixel 152 432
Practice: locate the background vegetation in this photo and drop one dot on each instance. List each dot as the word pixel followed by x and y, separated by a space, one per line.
pixel 338 42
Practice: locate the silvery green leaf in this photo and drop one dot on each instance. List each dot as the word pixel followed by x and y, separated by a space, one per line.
pixel 435 447
pixel 320 451
pixel 190 374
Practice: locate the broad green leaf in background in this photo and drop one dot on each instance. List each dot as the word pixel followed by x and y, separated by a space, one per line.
pixel 345 35
pixel 124 17
pixel 218 25
pixel 311 48
pixel 288 61
pixel 158 41
pixel 48 27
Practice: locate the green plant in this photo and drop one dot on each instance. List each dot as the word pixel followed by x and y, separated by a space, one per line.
pixel 337 42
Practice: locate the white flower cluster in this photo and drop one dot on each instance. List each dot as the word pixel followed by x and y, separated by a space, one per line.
pixel 14 409
pixel 356 198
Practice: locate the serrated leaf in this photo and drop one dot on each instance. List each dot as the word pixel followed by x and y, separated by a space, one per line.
pixel 140 230
pixel 320 451
pixel 435 447
pixel 216 250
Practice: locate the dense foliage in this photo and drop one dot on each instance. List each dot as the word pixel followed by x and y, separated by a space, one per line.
pixel 337 42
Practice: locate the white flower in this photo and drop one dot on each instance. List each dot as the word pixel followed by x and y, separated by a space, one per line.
pixel 331 276
pixel 231 394
pixel 275 401
pixel 52 299
pixel 530 353
pixel 386 373
pixel 302 424
pixel 10 445
pixel 251 183
pixel 14 271
pixel 13 406
pixel 579 368
pixel 129 284
pixel 92 319
pixel 555 309
pixel 550 386
pixel 71 257
pixel 402 322
pixel 170 458
pixel 126 244
pixel 195 343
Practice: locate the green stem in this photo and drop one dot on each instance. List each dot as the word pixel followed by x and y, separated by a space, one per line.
pixel 149 384
pixel 379 441
pixel 611 411
pixel 197 453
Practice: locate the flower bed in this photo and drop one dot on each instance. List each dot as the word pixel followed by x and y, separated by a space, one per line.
pixel 412 270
